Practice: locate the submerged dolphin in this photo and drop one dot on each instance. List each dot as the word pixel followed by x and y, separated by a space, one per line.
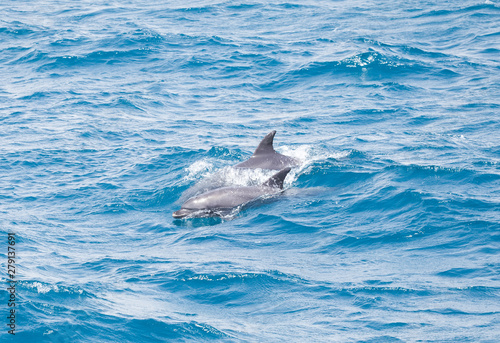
pixel 266 158
pixel 224 199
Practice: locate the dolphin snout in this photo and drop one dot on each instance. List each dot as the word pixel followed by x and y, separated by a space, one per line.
pixel 181 213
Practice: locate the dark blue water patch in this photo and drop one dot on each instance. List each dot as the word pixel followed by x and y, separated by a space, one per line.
pixel 294 6
pixel 31 56
pixel 141 38
pixel 409 172
pixel 389 199
pixel 399 88
pixel 415 51
pixel 198 62
pixel 12 53
pixel 495 150
pixel 492 8
pixel 469 205
pixel 370 65
pixel 370 62
pixel 107 186
pixel 102 57
pixel 33 159
pixel 419 120
pixel 157 199
pixel 486 165
pixel 368 116
pixel 155 227
pixel 383 326
pixel 492 34
pixel 357 155
pixel 253 59
pixel 485 178
pixel 107 328
pixel 36 96
pixel 482 292
pixel 171 159
pixel 116 207
pixel 105 264
pixel 246 65
pixel 70 42
pixel 480 106
pixel 446 73
pixel 446 233
pixel 278 224
pixel 456 312
pixel 244 7
pixel 363 241
pixel 372 293
pixel 483 271
pixel 19 30
pixel 159 330
pixel 384 338
pixel 129 104
pixel 422 226
pixel 86 14
pixel 198 9
pixel 203 42
pixel 330 173
pixel 229 289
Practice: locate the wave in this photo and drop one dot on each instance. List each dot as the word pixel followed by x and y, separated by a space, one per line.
pixel 330 174
pixel 434 174
pixel 235 9
pixel 56 291
pixel 129 46
pixel 100 57
pixel 18 30
pixel 475 9
pixel 107 327
pixel 406 49
pixel 227 289
pixel 366 62
pixel 369 65
pixel 47 62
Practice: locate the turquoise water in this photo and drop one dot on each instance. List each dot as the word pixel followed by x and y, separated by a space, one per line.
pixel 112 114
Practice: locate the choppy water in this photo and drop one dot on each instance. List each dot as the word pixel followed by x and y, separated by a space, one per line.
pixel 113 113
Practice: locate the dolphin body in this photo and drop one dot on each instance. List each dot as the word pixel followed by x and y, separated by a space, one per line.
pixel 217 201
pixel 266 158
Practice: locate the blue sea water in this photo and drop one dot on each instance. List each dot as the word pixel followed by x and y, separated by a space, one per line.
pixel 114 113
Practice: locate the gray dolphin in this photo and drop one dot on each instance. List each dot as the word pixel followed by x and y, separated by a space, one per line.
pixel 224 199
pixel 266 158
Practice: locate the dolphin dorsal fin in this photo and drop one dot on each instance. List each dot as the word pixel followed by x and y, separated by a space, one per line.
pixel 266 145
pixel 277 179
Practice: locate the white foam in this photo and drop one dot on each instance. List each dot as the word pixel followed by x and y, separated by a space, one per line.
pixel 41 288
pixel 204 171
pixel 308 154
pixel 243 177
pixel 202 167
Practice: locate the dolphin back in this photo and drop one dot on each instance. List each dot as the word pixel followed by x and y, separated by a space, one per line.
pixel 266 145
pixel 266 157
pixel 276 181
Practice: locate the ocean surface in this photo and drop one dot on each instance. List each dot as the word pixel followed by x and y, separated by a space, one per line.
pixel 114 113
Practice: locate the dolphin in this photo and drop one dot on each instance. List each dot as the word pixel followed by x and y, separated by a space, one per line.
pixel 266 158
pixel 220 200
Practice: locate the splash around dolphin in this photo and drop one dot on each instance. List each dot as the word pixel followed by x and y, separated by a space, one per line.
pixel 265 157
pixel 223 200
